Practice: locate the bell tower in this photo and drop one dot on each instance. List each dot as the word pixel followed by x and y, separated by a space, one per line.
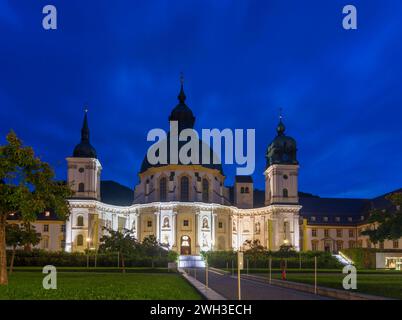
pixel 84 168
pixel 281 191
pixel 281 174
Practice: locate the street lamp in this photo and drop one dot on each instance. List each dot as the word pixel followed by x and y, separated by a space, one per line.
pixel 88 242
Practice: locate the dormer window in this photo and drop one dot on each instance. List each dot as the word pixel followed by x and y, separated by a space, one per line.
pixel 47 213
pixel 337 219
pixel 361 218
pixel 325 219
pixel 350 219
pixel 312 218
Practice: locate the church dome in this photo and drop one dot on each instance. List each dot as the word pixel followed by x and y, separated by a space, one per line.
pixel 146 165
pixel 185 118
pixel 182 113
pixel 84 149
pixel 282 149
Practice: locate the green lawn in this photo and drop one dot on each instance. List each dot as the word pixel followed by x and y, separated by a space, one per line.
pixel 386 285
pixel 91 286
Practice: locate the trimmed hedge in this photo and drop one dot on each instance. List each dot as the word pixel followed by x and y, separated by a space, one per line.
pixel 223 259
pixel 362 257
pixel 66 259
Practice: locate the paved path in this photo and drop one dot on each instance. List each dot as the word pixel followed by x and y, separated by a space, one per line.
pixel 226 285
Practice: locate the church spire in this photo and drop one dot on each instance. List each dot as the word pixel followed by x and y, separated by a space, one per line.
pixel 280 129
pixel 182 95
pixel 85 128
pixel 84 149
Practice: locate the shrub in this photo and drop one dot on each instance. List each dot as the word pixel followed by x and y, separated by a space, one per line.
pixel 66 259
pixel 362 258
pixel 223 259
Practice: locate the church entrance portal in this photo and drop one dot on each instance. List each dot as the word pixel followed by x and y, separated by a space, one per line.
pixel 185 245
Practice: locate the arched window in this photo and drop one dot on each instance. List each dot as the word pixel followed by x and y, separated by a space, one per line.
pixel 163 189
pixel 205 190
pixel 242 190
pixel 184 189
pixel 81 187
pixel 80 221
pixel 247 190
pixel 80 240
pixel 285 193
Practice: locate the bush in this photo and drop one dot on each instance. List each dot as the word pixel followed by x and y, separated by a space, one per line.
pixel 223 259
pixel 362 258
pixel 66 259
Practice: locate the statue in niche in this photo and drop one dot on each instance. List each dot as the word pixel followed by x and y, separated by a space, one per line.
pixel 166 239
pixel 133 226
pixel 234 226
pixel 166 223
pixel 257 228
pixel 204 240
pixel 205 223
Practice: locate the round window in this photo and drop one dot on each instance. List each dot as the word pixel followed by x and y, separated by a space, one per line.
pixel 285 177
pixel 81 170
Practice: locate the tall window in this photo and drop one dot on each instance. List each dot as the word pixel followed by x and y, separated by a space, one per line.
pixel 81 187
pixel 80 240
pixel 45 242
pixel 314 245
pixel 205 190
pixel 285 193
pixel 184 189
pixel 163 189
pixel 80 221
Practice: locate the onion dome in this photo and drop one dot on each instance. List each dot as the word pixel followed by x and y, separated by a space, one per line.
pixel 282 149
pixel 185 117
pixel 84 149
pixel 182 113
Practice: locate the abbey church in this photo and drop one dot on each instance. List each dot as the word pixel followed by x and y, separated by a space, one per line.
pixel 189 208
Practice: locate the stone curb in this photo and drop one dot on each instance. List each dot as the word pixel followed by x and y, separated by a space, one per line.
pixel 208 294
pixel 322 291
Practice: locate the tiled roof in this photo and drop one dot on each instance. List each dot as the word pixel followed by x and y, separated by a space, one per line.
pixel 116 194
pixel 244 179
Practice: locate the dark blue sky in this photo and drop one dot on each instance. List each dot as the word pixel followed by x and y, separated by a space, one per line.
pixel 341 91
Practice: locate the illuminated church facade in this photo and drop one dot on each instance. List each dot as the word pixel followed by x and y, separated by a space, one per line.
pixel 188 207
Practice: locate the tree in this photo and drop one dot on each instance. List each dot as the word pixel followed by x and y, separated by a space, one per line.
pixel 253 246
pixel 18 236
pixel 255 250
pixel 27 187
pixel 122 242
pixel 29 236
pixel 13 239
pixel 386 224
pixel 152 247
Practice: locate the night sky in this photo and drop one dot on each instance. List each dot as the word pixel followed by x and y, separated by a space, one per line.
pixel 341 91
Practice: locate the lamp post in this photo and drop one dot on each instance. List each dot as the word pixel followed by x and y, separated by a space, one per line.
pixel 88 242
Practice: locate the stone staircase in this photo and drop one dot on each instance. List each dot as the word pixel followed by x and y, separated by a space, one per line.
pixel 191 262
